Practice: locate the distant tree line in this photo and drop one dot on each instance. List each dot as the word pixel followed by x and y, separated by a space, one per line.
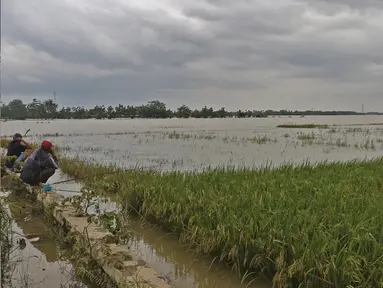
pixel 17 110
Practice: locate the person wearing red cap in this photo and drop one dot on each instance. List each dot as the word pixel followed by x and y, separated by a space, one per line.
pixel 40 165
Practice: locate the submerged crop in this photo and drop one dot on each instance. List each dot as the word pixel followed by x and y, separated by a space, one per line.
pixel 304 126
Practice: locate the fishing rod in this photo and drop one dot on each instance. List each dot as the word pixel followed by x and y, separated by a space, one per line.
pixel 82 178
pixel 101 174
pixel 25 135
pixel 48 187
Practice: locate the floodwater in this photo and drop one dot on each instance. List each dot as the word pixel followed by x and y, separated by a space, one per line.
pixel 35 260
pixel 163 252
pixel 189 144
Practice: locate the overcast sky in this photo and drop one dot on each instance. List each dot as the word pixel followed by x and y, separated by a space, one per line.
pixel 256 54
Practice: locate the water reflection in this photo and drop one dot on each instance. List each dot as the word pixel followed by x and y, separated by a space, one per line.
pixel 36 264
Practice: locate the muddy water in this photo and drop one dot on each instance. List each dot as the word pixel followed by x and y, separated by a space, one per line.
pixel 192 144
pixel 36 262
pixel 163 252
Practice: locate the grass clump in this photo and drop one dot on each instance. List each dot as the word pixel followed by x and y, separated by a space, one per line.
pixel 354 130
pixel 341 143
pixel 185 136
pixel 306 136
pixel 258 139
pixel 368 144
pixel 4 142
pixel 304 226
pixel 304 126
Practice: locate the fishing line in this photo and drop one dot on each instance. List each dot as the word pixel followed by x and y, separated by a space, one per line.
pixel 82 178
pixel 102 174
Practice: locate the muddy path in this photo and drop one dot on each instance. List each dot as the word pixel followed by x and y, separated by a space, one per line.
pixel 163 252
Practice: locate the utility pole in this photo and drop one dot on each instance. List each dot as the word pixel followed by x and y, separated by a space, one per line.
pixel 362 108
pixel 54 97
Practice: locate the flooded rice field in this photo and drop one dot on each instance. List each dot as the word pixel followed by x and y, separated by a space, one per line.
pixel 163 252
pixel 188 144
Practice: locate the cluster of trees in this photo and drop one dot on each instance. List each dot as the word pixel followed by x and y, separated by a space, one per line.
pixel 48 109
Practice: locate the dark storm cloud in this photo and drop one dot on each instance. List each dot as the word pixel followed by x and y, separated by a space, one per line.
pixel 281 53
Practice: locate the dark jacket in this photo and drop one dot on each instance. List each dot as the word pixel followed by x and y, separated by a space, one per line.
pixel 35 163
pixel 15 148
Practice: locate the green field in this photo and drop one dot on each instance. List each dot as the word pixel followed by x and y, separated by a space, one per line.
pixel 304 126
pixel 319 226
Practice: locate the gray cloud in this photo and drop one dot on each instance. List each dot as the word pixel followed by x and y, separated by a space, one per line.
pixel 293 54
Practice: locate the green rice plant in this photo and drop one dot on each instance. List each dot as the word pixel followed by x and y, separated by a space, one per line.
pixel 311 142
pixel 354 130
pixel 185 136
pixel 326 150
pixel 307 142
pixel 258 139
pixel 4 142
pixel 233 139
pixel 366 124
pixel 368 144
pixel 372 146
pixel 341 142
pixel 174 135
pixel 306 136
pixel 304 226
pixel 304 126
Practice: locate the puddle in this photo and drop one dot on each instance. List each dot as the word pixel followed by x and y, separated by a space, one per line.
pixel 35 259
pixel 164 253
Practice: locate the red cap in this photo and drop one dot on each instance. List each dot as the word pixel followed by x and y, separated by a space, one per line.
pixel 46 145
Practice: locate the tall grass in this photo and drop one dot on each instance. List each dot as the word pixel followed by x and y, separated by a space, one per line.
pixel 306 136
pixel 304 126
pixel 304 226
pixel 5 232
pixel 4 142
